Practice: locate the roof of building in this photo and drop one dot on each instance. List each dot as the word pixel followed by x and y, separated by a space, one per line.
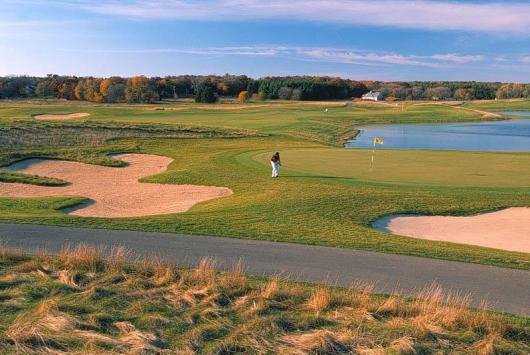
pixel 372 94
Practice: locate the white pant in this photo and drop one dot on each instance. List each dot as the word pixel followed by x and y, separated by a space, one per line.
pixel 275 169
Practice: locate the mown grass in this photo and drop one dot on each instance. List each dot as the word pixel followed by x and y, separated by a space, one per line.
pixel 412 167
pixel 81 301
pixel 500 105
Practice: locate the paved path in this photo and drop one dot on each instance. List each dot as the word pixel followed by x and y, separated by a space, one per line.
pixel 504 289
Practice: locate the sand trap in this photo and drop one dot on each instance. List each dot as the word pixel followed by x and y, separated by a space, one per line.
pixel 58 117
pixel 115 192
pixel 507 229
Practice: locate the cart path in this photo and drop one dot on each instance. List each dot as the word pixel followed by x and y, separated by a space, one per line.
pixel 503 289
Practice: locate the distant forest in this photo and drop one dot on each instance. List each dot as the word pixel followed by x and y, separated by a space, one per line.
pixel 141 89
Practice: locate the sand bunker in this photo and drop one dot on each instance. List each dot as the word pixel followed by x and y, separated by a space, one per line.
pixel 115 192
pixel 61 117
pixel 508 229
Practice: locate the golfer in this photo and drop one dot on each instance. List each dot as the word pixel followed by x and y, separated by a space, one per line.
pixel 276 163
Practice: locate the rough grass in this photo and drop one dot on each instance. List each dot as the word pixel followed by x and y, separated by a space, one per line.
pixel 85 142
pixel 84 301
pixel 10 176
pixel 306 120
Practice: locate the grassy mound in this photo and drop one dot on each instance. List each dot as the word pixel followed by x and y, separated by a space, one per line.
pixel 10 176
pixel 82 301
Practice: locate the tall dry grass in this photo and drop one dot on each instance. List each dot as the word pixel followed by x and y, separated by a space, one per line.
pixel 201 310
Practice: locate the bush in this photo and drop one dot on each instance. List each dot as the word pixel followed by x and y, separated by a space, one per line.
pixel 243 97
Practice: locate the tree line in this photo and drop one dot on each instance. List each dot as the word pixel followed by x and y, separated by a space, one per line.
pixel 141 89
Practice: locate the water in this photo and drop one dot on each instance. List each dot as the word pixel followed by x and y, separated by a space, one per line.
pixel 508 136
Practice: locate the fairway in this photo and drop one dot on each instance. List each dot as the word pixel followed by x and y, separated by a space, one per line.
pixel 439 168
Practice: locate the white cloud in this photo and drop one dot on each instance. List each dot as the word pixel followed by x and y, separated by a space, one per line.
pixel 429 14
pixel 458 58
pixel 256 51
pixel 318 54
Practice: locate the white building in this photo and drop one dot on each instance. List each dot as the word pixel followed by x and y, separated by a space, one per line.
pixel 373 96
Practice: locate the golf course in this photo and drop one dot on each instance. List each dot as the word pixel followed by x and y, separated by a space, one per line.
pixel 327 195
pixel 265 177
pixel 108 213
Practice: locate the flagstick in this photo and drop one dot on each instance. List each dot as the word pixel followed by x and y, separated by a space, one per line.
pixel 372 160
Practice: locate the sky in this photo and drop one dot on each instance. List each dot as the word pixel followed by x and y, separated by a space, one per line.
pixel 388 40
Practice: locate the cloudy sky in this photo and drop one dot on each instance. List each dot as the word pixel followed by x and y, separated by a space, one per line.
pixel 381 40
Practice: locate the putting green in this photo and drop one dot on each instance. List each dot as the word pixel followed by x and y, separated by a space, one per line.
pixel 411 167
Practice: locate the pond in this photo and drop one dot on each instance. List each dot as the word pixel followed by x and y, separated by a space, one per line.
pixel 508 135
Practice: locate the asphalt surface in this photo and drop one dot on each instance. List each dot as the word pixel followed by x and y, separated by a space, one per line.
pixel 503 289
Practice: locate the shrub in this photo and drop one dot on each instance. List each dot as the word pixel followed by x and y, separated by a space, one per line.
pixel 243 97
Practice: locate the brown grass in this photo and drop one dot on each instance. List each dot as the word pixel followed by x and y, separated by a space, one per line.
pixel 319 300
pixel 93 301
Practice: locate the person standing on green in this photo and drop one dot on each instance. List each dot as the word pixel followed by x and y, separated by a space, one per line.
pixel 276 163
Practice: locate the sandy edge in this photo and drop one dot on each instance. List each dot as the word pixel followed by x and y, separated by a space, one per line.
pixel 113 192
pixel 61 117
pixel 507 229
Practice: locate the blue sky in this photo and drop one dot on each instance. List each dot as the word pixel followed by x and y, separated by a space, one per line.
pixel 369 40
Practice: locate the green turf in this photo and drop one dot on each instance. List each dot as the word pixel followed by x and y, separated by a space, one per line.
pixel 314 202
pixel 500 105
pixel 441 168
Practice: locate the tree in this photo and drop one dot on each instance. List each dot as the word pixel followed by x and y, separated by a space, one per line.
pixel 511 91
pixel 45 90
pixel 297 95
pixel 417 93
pixel 140 90
pixel 285 93
pixel 439 93
pixel 88 89
pixel 463 94
pixel 116 93
pixel 205 92
pixel 106 85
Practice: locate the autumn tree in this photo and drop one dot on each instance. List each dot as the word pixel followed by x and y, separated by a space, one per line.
pixel 140 90
pixel 88 89
pixel 511 91
pixel 463 94
pixel 113 89
pixel 439 93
